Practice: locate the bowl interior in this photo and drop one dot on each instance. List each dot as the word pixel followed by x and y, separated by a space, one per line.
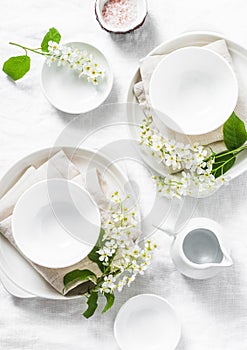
pixel 147 322
pixel 56 223
pixel 193 90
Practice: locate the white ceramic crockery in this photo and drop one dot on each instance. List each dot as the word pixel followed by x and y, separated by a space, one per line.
pixel 28 282
pixel 135 113
pixel 146 322
pixel 193 90
pixel 47 219
pixel 71 94
pixel 198 251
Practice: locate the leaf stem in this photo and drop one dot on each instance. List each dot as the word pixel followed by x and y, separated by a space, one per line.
pixel 234 151
pixel 223 165
pixel 29 49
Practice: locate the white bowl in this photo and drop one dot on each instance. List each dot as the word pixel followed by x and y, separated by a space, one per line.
pixel 141 9
pixel 193 90
pixel 71 94
pixel 49 217
pixel 147 322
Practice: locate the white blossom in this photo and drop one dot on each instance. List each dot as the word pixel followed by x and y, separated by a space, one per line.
pixel 76 60
pixel 122 257
pixel 192 163
pixel 104 253
pixel 54 48
pixel 108 285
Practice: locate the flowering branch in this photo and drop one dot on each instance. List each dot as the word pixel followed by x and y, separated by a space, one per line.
pixel 196 169
pixel 81 61
pixel 117 255
pixel 76 60
pixel 29 49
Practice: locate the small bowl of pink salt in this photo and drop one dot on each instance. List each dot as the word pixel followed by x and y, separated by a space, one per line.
pixel 121 16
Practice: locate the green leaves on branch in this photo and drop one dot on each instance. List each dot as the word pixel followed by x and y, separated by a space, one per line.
pixel 51 35
pixel 110 298
pixel 222 163
pixel 234 132
pixel 235 136
pixel 73 277
pixel 94 256
pixel 16 67
pixel 92 303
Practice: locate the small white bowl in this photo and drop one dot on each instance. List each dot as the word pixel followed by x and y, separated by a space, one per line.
pixel 56 223
pixel 193 90
pixel 141 14
pixel 147 322
pixel 67 92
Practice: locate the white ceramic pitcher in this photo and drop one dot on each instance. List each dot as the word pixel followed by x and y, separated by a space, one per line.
pixel 197 249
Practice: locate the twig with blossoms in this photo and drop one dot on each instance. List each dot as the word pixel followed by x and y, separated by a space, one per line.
pixel 197 169
pixel 77 60
pixel 118 256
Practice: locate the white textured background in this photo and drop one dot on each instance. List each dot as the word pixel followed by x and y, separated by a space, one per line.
pixel 213 313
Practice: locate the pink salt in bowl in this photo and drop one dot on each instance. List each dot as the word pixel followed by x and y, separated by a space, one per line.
pixel 121 16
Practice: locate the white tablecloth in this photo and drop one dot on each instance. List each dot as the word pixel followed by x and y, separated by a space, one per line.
pixel 213 313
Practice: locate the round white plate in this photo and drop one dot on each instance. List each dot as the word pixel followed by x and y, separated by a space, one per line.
pixel 12 288
pixel 135 114
pixel 15 268
pixel 71 94
pixel 49 216
pixel 147 322
pixel 193 90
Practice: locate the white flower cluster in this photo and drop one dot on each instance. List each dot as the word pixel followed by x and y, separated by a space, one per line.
pixel 191 164
pixel 76 60
pixel 123 258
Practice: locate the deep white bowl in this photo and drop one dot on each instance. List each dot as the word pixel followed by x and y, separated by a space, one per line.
pixel 147 322
pixel 56 223
pixel 193 90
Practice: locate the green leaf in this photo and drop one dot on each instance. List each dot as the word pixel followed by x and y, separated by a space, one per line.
pixel 52 35
pixel 92 305
pixel 94 256
pixel 223 162
pixel 16 67
pixel 109 301
pixel 234 132
pixel 78 276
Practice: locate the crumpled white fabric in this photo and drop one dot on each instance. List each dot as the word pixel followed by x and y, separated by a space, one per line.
pixel 214 312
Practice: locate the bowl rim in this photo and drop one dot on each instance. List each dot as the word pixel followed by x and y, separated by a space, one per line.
pixel 234 95
pixel 154 296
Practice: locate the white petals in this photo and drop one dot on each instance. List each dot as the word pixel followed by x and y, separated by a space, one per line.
pixel 76 60
pixel 108 286
pixel 196 177
pixel 53 48
pixel 122 258
pixel 51 60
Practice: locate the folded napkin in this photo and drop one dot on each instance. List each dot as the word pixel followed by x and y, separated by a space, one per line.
pixel 214 138
pixel 59 166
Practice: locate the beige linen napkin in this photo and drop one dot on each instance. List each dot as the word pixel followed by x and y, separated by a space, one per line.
pixel 59 166
pixel 214 138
